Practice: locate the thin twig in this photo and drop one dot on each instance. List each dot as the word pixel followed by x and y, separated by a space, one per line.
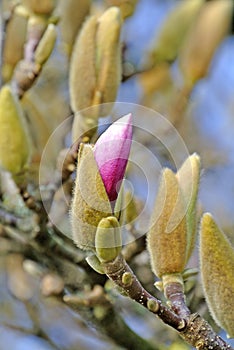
pixel 193 329
pixel 119 272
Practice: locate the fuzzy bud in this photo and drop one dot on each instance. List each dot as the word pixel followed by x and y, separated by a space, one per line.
pixel 210 28
pixel 167 237
pixel 90 201
pixel 14 139
pixel 95 70
pixel 217 269
pixel 73 14
pixel 108 241
pixel 174 30
pixel 189 176
pixel 46 45
pixel 42 7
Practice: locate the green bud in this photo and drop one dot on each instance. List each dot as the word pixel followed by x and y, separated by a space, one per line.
pixel 127 278
pixel 90 201
pixel 217 270
pixel 132 207
pixel 46 45
pixel 127 7
pixel 14 41
pixel 209 29
pixel 82 76
pixel 189 176
pixel 152 305
pixel 174 30
pixel 95 70
pixel 73 14
pixel 42 7
pixel 167 237
pixel 108 56
pixel 108 242
pixel 14 139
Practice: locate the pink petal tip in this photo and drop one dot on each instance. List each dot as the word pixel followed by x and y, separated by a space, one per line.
pixel 111 153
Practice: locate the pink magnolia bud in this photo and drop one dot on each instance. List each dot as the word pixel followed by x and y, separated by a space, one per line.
pixel 111 153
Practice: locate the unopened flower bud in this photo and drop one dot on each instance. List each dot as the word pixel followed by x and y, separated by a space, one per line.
pixel 217 269
pixel 189 177
pixel 174 29
pixel 108 241
pixel 90 201
pixel 95 71
pixel 167 237
pixel 100 169
pixel 46 45
pixel 42 7
pixel 209 29
pixel 14 139
pixel 72 14
pixel 111 153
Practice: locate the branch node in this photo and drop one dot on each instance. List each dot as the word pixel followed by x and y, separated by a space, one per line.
pixel 153 305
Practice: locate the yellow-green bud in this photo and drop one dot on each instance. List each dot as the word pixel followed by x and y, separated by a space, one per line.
pixel 152 305
pixel 46 45
pixel 95 70
pixel 127 278
pixel 189 176
pixel 90 201
pixel 108 56
pixel 72 15
pixel 14 138
pixel 108 242
pixel 174 30
pixel 14 41
pixel 127 7
pixel 42 7
pixel 167 237
pixel 217 270
pixel 209 29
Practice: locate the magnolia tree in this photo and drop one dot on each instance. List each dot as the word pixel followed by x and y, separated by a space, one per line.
pixel 78 228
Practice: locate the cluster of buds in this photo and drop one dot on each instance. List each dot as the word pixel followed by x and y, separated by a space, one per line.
pixel 30 39
pixel 173 229
pixel 95 70
pixel 94 212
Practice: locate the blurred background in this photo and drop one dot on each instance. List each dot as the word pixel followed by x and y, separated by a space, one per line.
pixel 177 61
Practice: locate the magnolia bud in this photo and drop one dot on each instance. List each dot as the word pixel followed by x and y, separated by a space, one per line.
pixel 167 237
pixel 111 153
pixel 108 56
pixel 189 176
pixel 174 30
pixel 208 31
pixel 127 7
pixel 14 140
pixel 95 71
pixel 46 45
pixel 73 14
pixel 217 269
pixel 42 7
pixel 82 76
pixel 14 43
pixel 90 201
pixel 108 241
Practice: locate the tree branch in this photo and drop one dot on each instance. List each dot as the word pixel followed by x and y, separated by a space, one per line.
pixel 193 329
